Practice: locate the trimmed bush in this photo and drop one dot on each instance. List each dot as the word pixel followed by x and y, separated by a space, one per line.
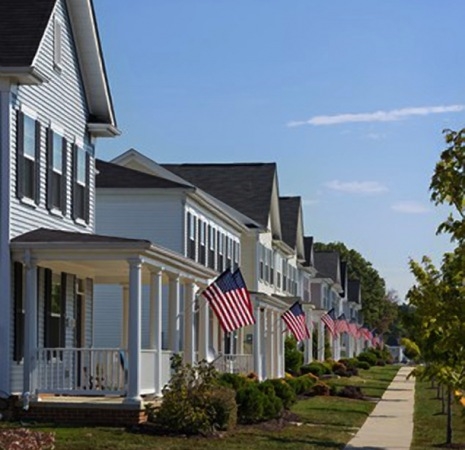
pixel 350 363
pixel 320 388
pixel 363 365
pixel 351 392
pixel 306 383
pixel 233 380
pixel 293 357
pixel 250 403
pixel 316 368
pixel 368 357
pixel 284 392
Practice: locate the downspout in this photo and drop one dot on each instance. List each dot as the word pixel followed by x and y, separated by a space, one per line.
pixel 5 263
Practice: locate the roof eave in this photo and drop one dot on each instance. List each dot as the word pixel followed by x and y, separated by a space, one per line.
pixel 103 130
pixel 29 75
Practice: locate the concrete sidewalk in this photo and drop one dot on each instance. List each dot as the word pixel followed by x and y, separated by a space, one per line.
pixel 390 425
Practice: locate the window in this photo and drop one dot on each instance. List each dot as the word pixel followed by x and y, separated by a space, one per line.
pixel 81 161
pixel 28 158
pixel 220 238
pixel 57 43
pixel 236 256
pixel 203 239
pixel 284 275
pixel 55 309
pixel 261 256
pixel 272 256
pixel 56 174
pixel 191 234
pixel 212 247
pixel 229 252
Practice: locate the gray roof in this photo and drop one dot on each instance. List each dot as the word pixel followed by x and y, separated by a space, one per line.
pixel 289 208
pixel 327 262
pixel 354 291
pixel 343 277
pixel 22 25
pixel 308 245
pixel 115 176
pixel 48 235
pixel 247 187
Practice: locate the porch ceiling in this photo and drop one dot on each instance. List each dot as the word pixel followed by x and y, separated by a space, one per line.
pixel 103 258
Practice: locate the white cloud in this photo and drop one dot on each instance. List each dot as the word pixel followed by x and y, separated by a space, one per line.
pixel 378 116
pixel 357 187
pixel 409 207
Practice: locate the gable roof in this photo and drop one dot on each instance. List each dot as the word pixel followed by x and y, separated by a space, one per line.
pixel 327 264
pixel 289 208
pixel 308 245
pixel 22 27
pixel 247 187
pixel 344 278
pixel 354 291
pixel 114 176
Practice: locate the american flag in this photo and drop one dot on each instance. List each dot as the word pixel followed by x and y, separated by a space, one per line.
pixel 328 319
pixel 341 324
pixel 294 318
pixel 230 301
pixel 353 329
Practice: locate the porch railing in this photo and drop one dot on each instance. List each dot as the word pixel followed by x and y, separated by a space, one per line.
pixel 235 364
pixel 82 371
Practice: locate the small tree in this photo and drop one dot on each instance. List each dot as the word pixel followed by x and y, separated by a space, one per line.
pixel 293 357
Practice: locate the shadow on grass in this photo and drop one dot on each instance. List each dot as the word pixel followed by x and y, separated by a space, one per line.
pixel 315 442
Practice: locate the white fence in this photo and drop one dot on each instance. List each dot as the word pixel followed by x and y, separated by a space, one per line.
pixel 235 364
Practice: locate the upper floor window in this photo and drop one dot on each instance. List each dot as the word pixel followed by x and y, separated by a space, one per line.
pixel 236 257
pixel 81 181
pixel 203 242
pixel 191 234
pixel 56 173
pixel 220 243
pixel 28 158
pixel 261 261
pixel 285 266
pixel 229 252
pixel 211 247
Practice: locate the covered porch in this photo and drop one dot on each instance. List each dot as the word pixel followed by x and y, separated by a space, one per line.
pixel 129 370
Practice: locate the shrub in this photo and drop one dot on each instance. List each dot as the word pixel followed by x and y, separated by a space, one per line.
pixel 380 362
pixel 320 388
pixel 316 368
pixel 293 357
pixel 351 392
pixel 368 357
pixel 350 363
pixel 250 403
pixel 233 380
pixel 296 385
pixel 284 392
pixel 363 365
pixel 193 402
pixel 306 383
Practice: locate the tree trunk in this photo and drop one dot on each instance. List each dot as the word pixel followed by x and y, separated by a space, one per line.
pixel 449 416
pixel 443 400
pixel 438 391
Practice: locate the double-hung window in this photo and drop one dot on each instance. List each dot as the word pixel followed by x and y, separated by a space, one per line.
pixel 236 257
pixel 212 247
pixel 80 184
pixel 203 243
pixel 191 235
pixel 220 251
pixel 229 251
pixel 56 179
pixel 55 309
pixel 261 262
pixel 28 158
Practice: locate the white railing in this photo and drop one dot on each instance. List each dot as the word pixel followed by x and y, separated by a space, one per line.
pixel 235 364
pixel 82 371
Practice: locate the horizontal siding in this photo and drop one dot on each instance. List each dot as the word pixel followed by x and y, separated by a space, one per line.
pixel 61 101
pixel 156 217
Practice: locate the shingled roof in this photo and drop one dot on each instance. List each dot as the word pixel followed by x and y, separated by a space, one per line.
pixel 246 187
pixel 354 291
pixel 114 176
pixel 327 264
pixel 344 275
pixel 308 246
pixel 289 208
pixel 22 25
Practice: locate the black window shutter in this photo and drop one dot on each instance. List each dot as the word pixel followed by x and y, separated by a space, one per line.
pixel 74 156
pixel 64 176
pixel 19 312
pixel 87 191
pixel 47 306
pixel 20 155
pixel 63 290
pixel 49 168
pixel 37 165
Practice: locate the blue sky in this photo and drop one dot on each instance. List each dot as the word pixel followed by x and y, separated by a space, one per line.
pixel 349 98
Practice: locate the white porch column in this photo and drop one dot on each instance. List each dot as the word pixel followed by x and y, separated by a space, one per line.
pixel 189 326
pixel 257 341
pixel 173 314
pixel 215 335
pixel 321 341
pixel 125 316
pixel 308 354
pixel 134 338
pixel 270 347
pixel 204 325
pixel 156 301
pixel 30 328
pixel 280 338
pixel 240 341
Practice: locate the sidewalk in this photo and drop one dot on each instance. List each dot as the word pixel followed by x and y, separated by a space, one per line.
pixel 390 425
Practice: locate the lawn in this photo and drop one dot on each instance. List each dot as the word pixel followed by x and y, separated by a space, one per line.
pixel 323 423
pixel 429 424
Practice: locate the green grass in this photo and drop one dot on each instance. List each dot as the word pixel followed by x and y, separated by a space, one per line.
pixel 430 424
pixel 324 423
